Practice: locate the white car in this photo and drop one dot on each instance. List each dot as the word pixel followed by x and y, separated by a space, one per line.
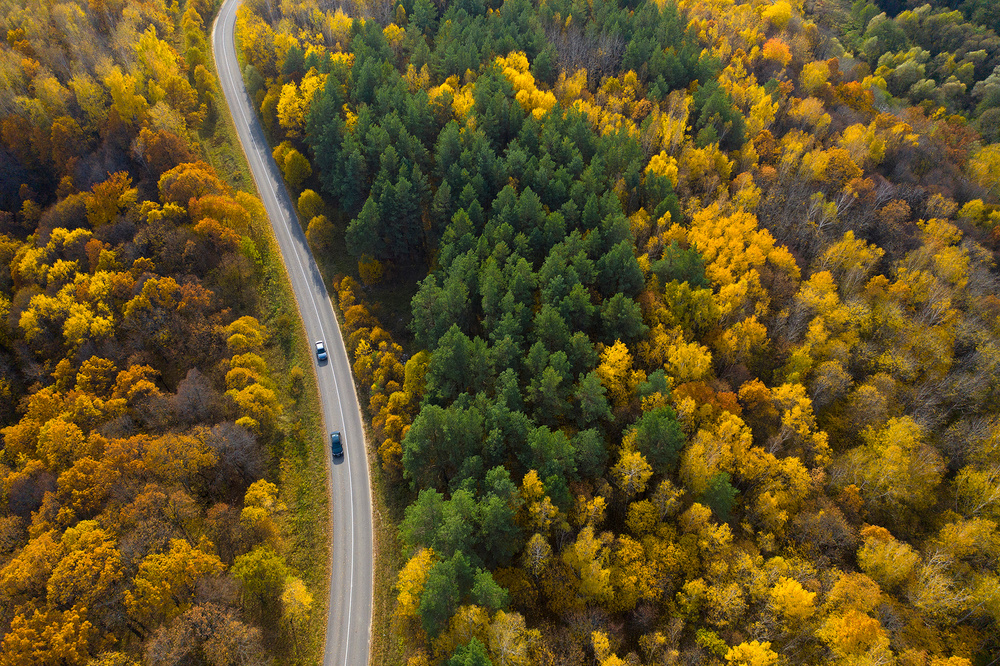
pixel 320 351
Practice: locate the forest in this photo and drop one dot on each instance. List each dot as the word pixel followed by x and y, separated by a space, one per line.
pixel 700 363
pixel 149 397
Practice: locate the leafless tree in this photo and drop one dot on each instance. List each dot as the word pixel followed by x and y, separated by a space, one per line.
pixel 241 461
pixel 269 9
pixel 598 54
pixel 26 492
pixel 207 630
pixel 196 400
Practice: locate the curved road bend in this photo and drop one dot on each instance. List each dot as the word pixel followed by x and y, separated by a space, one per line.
pixel 348 628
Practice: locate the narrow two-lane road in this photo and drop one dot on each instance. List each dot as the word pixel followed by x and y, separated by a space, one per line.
pixel 348 628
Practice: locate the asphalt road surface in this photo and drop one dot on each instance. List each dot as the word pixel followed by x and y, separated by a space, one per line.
pixel 348 629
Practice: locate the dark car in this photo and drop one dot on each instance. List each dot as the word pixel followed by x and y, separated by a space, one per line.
pixel 320 350
pixel 335 446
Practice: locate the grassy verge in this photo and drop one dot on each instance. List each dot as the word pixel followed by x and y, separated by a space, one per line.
pixel 223 153
pixel 387 647
pixel 299 467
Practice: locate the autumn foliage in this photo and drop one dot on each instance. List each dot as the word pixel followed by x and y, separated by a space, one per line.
pixel 140 409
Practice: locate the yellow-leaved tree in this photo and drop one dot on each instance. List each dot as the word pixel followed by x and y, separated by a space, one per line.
pixel 529 96
pixel 164 586
pixel 617 375
pixel 889 562
pixel 752 653
pixel 588 557
pixel 984 166
pixel 895 468
pixel 411 580
pixel 792 602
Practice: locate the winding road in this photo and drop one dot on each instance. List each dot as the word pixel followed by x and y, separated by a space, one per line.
pixel 348 629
